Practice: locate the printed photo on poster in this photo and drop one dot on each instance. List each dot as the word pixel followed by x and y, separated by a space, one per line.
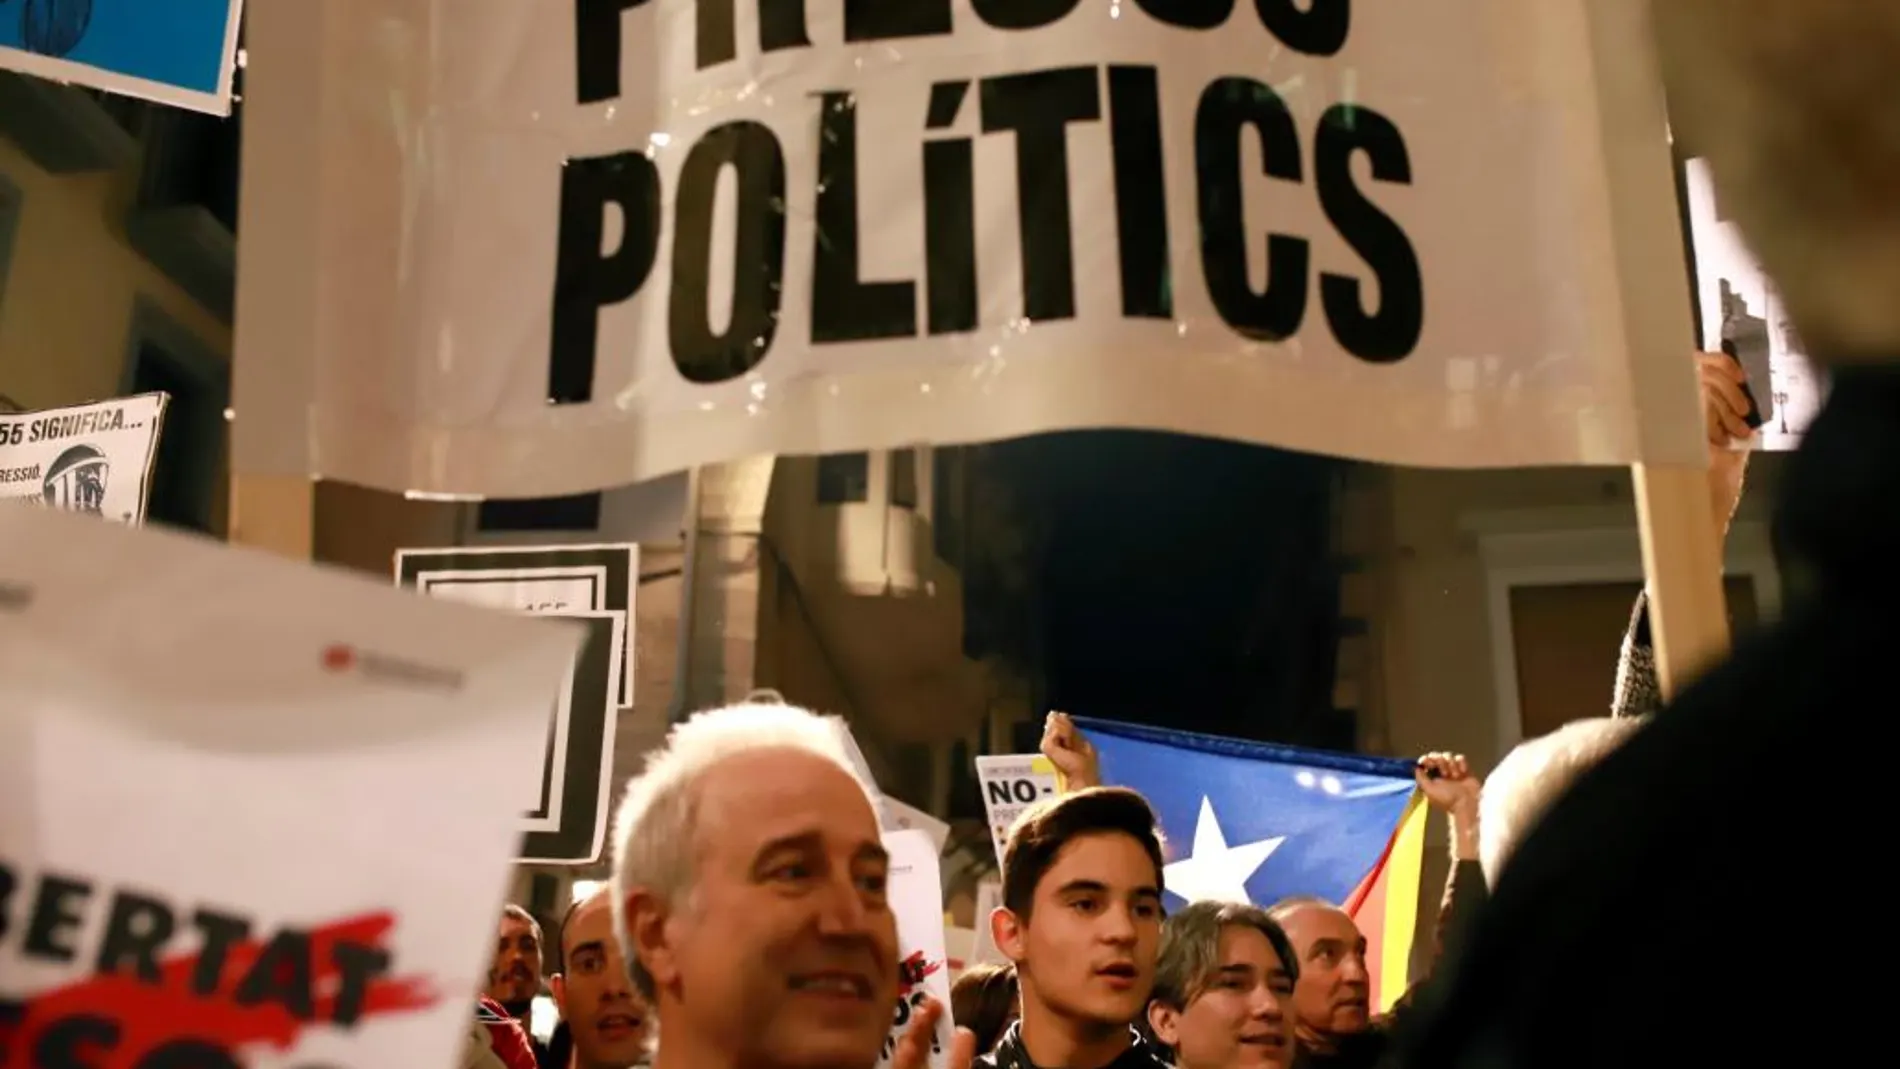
pixel 94 458
pixel 1740 313
pixel 177 52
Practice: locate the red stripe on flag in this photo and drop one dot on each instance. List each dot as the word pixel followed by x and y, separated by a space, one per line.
pixel 1366 906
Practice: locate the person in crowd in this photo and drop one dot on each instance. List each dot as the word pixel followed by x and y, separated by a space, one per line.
pixel 604 1024
pixel 984 1000
pixel 1081 920
pixel 749 896
pixel 1332 1003
pixel 1533 775
pixel 1725 409
pixel 1633 898
pixel 1223 994
pixel 496 1040
pixel 514 976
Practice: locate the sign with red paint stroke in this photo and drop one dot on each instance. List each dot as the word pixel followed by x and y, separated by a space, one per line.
pixel 916 895
pixel 222 844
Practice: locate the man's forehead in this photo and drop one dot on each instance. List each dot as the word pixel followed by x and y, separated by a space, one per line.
pixel 512 925
pixel 1315 921
pixel 752 799
pixel 593 921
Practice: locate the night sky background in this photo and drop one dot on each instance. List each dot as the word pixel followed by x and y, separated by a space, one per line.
pixel 1183 582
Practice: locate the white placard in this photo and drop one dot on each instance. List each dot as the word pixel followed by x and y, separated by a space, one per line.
pixel 1739 305
pixel 916 896
pixel 248 803
pixel 886 818
pixel 1012 783
pixel 989 896
pixel 674 232
pixel 94 458
pixel 909 816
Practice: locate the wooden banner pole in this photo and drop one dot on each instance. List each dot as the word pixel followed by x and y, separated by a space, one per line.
pixel 1682 559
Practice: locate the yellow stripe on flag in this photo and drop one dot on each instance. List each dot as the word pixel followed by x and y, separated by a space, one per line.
pixel 1401 904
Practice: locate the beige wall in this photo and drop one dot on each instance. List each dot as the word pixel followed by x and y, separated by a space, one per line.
pixel 792 658
pixel 1434 632
pixel 67 311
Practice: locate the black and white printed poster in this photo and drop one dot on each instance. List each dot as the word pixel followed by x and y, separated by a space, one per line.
pixel 1741 313
pixel 564 817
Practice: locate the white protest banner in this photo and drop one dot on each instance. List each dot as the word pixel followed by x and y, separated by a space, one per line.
pixel 94 458
pixel 1010 784
pixel 1740 311
pixel 179 52
pixel 252 813
pixel 661 233
pixel 915 890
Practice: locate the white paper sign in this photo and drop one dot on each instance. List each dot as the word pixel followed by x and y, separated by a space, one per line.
pixel 916 896
pixel 909 816
pixel 94 458
pixel 1738 305
pixel 1012 783
pixel 677 232
pixel 989 895
pixel 252 813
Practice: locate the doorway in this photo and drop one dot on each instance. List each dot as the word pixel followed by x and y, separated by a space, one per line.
pixel 1566 639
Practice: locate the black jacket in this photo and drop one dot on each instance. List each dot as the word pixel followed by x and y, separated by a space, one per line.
pixel 1638 921
pixel 1009 1054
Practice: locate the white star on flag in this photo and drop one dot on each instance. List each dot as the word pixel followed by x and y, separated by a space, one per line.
pixel 1216 871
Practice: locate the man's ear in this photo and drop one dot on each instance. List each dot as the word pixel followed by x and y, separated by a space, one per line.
pixel 557 986
pixel 1165 1022
pixel 1008 930
pixel 648 934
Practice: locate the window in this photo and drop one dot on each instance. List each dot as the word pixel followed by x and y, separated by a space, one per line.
pixel 578 512
pixel 904 478
pixel 130 113
pixel 192 159
pixel 9 222
pixel 164 357
pixel 948 513
pixel 844 479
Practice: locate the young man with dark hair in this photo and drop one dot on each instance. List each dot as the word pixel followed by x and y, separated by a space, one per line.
pixel 1223 996
pixel 604 1023
pixel 1081 920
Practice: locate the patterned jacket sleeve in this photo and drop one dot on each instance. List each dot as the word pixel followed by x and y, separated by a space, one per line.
pixel 1638 692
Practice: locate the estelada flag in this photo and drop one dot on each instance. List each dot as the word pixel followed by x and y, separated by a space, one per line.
pixel 1258 822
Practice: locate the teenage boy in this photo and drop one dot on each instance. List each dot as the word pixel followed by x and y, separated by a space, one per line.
pixel 1081 919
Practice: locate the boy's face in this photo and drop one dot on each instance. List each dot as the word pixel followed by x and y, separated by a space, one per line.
pixel 1087 950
